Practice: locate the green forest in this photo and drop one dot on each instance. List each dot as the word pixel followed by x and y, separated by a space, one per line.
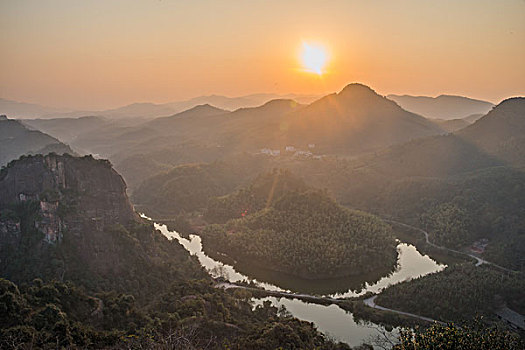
pixel 460 292
pixel 306 234
pixel 188 314
pixel 472 336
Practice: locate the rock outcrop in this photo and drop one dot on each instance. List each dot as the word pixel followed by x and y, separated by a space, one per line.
pixel 69 218
pixel 79 194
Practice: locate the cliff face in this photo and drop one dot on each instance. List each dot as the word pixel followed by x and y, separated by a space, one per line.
pixel 69 218
pixel 79 194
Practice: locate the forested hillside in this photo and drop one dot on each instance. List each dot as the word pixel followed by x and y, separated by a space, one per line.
pixel 307 234
pixel 459 292
pixel 187 315
pixel 16 140
pixel 260 194
pixel 87 272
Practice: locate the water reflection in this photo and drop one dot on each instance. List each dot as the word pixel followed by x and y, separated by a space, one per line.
pixel 333 321
pixel 410 264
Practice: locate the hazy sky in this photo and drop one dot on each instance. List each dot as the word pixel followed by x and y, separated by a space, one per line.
pixel 99 54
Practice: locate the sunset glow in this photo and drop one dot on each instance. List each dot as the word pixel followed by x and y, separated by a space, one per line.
pixel 114 53
pixel 314 58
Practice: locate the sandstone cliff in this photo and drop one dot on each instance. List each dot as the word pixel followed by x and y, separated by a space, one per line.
pixel 66 217
pixel 88 192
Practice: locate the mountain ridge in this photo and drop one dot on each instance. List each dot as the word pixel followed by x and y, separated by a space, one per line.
pixel 17 140
pixel 443 106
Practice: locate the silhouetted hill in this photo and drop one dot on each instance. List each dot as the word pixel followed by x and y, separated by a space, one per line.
pixel 354 120
pixel 17 140
pixel 443 106
pixel 473 117
pixel 66 129
pixel 166 124
pixel 142 110
pixel 138 110
pixel 451 125
pixel 501 133
pixel 498 138
pixel 234 103
pixel 147 110
pixel 16 109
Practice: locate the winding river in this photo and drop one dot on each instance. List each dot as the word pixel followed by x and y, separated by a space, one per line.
pixel 332 320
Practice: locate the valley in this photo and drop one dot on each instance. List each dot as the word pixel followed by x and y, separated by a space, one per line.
pixel 364 240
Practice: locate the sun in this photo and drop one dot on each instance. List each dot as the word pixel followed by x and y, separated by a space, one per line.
pixel 313 58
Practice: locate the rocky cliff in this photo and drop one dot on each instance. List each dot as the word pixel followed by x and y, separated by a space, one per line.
pixel 66 217
pixel 80 193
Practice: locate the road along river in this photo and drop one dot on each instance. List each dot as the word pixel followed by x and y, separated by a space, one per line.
pixel 331 320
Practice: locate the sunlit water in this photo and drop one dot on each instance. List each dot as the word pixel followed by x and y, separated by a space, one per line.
pixel 410 264
pixel 331 320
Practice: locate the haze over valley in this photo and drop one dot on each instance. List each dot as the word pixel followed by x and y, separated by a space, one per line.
pixel 277 175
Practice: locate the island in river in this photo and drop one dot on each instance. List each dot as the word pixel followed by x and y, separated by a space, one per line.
pixel 306 234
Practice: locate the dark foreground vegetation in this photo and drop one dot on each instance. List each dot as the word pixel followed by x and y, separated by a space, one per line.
pixel 185 315
pixel 475 336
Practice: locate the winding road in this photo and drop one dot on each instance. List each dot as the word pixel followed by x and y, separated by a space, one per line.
pixel 322 300
pixel 371 303
pixel 479 261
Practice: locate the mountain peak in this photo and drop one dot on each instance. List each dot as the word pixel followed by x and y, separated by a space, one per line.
pixel 204 107
pixel 511 108
pixel 278 102
pixel 512 101
pixel 357 88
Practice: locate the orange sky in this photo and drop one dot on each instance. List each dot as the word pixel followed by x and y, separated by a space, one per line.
pixel 100 54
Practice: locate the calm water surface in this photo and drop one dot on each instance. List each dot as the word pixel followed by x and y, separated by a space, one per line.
pixel 331 320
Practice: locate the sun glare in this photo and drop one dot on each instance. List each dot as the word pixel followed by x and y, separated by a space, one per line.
pixel 313 58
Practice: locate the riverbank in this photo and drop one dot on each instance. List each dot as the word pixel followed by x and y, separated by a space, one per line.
pixel 350 320
pixel 361 307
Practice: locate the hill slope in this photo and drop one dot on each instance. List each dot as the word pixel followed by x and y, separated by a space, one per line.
pixel 443 106
pixel 354 120
pixel 16 140
pixel 65 129
pixel 17 109
pixel 281 224
pixel 495 139
pixel 501 133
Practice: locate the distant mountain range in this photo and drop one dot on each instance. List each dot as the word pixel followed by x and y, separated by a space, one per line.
pixel 350 123
pixel 354 120
pixel 16 140
pixel 498 138
pixel 66 129
pixel 443 106
pixel 19 110
pixel 146 110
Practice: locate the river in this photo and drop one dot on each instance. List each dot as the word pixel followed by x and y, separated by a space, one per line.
pixel 331 320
